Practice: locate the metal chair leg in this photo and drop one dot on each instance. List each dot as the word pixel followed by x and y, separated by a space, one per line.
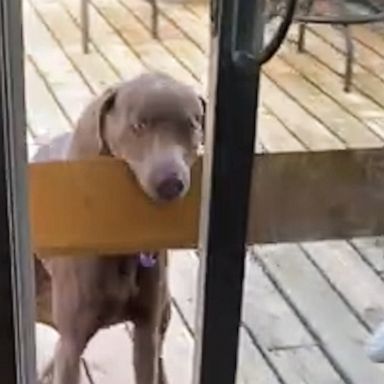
pixel 155 19
pixel 84 15
pixel 301 38
pixel 307 8
pixel 349 58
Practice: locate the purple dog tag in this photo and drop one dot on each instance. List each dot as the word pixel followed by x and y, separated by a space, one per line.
pixel 147 260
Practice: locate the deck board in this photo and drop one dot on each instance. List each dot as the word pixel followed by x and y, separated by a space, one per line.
pixel 363 81
pixel 328 317
pixel 352 132
pixel 367 58
pixel 288 335
pixel 372 251
pixel 351 277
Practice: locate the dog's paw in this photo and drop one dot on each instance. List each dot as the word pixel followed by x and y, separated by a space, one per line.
pixel 375 345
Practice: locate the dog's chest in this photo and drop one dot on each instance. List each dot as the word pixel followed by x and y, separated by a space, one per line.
pixel 127 283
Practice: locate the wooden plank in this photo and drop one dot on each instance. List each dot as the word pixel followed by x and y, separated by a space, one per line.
pixel 183 279
pixel 78 227
pixel 109 356
pixel 251 366
pixel 359 105
pixel 363 81
pixel 318 197
pixel 334 194
pixel 178 351
pixel 274 135
pixel 106 42
pixel 62 19
pixel 345 126
pixel 201 10
pixel 294 354
pixel 358 284
pixel 371 250
pixel 93 67
pixel 191 25
pixel 367 58
pixel 311 132
pixel 271 132
pixel 41 119
pixel 173 40
pixel 336 328
pixel 370 38
pixel 151 52
pixel 67 85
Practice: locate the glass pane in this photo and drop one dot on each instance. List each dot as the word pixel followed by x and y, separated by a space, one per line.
pixel 313 292
pixel 309 307
pixel 60 82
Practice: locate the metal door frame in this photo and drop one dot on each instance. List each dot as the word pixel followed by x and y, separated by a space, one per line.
pixel 17 347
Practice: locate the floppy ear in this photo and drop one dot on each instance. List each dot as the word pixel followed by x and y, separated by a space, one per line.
pixel 89 136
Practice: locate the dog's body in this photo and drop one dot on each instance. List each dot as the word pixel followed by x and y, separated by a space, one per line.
pixel 154 124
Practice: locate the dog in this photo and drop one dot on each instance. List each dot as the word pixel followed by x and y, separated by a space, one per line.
pixel 155 125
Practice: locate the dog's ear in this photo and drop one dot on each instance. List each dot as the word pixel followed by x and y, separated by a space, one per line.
pixel 104 106
pixel 90 132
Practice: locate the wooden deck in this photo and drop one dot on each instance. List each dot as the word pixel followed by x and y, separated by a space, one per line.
pixel 308 308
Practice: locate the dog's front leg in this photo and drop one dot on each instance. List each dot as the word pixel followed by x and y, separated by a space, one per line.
pixel 67 362
pixel 146 353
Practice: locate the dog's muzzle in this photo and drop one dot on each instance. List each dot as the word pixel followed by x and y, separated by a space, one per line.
pixel 170 188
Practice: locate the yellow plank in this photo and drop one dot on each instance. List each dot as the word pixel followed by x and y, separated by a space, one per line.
pixel 73 212
pixel 79 214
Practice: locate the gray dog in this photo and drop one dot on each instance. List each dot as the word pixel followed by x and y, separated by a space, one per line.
pixel 154 124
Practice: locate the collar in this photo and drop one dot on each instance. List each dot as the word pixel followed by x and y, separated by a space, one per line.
pixel 147 259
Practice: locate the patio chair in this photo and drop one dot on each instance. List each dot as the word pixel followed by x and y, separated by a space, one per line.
pixel 85 24
pixel 343 13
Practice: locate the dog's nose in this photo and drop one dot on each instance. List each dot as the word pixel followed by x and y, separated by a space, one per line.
pixel 170 188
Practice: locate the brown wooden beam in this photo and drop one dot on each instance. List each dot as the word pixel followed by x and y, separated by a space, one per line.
pixel 317 196
pixel 96 206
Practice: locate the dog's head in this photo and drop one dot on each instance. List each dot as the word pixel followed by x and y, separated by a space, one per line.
pixel 155 124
